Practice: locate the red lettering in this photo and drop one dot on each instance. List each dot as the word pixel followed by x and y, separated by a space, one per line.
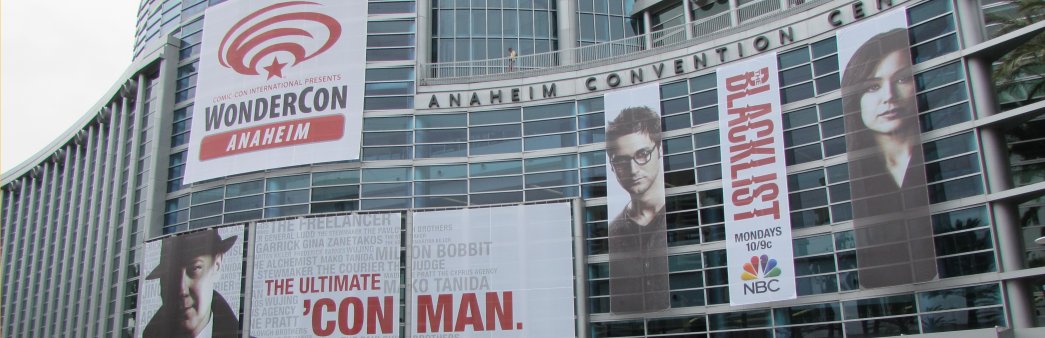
pixel 495 311
pixel 763 129
pixel 762 146
pixel 379 313
pixel 468 314
pixel 772 210
pixel 498 313
pixel 350 314
pixel 343 324
pixel 745 84
pixel 747 113
pixel 355 283
pixel 317 316
pixel 742 194
pixel 428 315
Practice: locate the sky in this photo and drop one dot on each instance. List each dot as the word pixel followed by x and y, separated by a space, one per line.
pixel 57 59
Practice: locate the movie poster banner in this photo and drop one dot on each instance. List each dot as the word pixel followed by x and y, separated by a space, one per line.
pixel 280 83
pixel 191 286
pixel 887 182
pixel 334 276
pixel 493 272
pixel 754 182
pixel 638 241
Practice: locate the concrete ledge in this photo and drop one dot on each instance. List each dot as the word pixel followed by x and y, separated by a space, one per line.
pixel 996 47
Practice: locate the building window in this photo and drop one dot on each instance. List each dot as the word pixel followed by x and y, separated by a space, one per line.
pixel 442 135
pixel 335 191
pixel 390 40
pixel 814 133
pixel 593 174
pixel 931 29
pixel 441 186
pixel 603 21
pixel 386 188
pixel 952 168
pixel 550 126
pixel 591 121
pixel 495 182
pixel 495 132
pixel 465 31
pixel 389 88
pixel 942 97
pixel 387 138
pixel 808 71
pixel 286 196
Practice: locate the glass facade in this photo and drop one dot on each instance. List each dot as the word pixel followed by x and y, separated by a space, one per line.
pixel 604 21
pixel 74 221
pixel 464 30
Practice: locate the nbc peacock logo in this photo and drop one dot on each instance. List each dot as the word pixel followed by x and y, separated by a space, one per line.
pixel 764 266
pixel 759 275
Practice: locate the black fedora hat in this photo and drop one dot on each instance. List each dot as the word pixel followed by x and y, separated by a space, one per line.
pixel 179 249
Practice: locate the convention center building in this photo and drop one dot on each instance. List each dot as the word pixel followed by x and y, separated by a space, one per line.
pixel 546 168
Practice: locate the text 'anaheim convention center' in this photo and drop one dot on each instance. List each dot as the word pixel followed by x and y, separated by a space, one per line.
pixel 546 168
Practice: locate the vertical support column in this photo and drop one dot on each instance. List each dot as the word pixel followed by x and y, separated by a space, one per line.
pixel 580 268
pixel 687 10
pixel 248 283
pixel 84 238
pixel 45 230
pixel 734 15
pixel 159 142
pixel 24 292
pixel 61 263
pixel 424 41
pixel 970 19
pixel 408 277
pixel 72 255
pixel 135 239
pixel 104 230
pixel 996 165
pixel 11 229
pixel 567 34
pixel 14 234
pixel 646 18
pixel 117 226
pixel 80 325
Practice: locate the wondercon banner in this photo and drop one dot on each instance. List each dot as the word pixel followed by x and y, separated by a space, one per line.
pixel 327 276
pixel 638 241
pixel 891 223
pixel 280 84
pixel 493 272
pixel 192 285
pixel 754 183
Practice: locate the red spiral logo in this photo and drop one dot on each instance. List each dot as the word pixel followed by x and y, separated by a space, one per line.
pixel 275 30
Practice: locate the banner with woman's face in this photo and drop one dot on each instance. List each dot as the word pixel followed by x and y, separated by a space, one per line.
pixel 890 202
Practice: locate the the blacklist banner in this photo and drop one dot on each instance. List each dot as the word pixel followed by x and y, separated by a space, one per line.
pixel 335 276
pixel 191 286
pixel 894 244
pixel 754 182
pixel 638 241
pixel 493 272
pixel 280 83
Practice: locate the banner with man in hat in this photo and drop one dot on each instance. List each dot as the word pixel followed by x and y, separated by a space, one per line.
pixel 192 287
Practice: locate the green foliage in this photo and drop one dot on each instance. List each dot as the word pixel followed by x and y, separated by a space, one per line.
pixel 1020 74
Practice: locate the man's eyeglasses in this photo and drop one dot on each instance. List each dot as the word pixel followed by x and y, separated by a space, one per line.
pixel 641 157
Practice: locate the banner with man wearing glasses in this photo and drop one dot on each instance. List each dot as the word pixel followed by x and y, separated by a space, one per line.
pixel 638 243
